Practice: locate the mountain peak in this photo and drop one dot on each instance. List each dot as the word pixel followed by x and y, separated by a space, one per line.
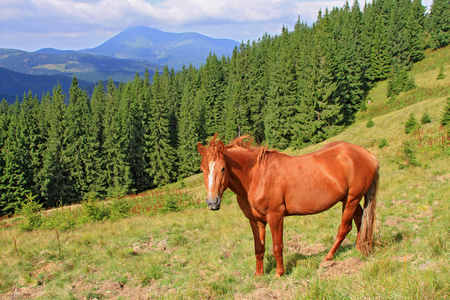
pixel 164 48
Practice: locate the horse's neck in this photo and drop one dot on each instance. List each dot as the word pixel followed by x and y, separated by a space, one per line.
pixel 241 164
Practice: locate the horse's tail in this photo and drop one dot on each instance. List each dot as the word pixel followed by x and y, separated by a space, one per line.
pixel 365 237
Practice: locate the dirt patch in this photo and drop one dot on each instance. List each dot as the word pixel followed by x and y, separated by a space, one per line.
pixel 295 245
pixel 110 289
pixel 287 290
pixel 333 269
pixel 30 292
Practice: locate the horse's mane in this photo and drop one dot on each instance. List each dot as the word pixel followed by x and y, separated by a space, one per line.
pixel 247 143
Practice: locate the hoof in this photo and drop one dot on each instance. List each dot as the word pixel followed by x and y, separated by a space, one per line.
pixel 328 257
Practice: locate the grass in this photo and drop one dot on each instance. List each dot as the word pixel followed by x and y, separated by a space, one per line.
pixel 195 253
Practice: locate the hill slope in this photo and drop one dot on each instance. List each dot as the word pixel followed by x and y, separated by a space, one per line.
pixel 200 254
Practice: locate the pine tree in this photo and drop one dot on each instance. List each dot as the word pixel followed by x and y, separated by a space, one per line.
pixel 213 90
pixel 416 32
pixel 439 23
pixel 237 107
pixel 160 154
pixel 16 179
pixel 118 177
pixel 445 121
pixel 96 175
pixel 79 149
pixel 57 183
pixel 190 125
pixel 283 102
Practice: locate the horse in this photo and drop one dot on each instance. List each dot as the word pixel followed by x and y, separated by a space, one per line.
pixel 271 185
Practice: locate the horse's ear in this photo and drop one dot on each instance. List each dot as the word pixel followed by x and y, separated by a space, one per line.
pixel 201 149
pixel 220 147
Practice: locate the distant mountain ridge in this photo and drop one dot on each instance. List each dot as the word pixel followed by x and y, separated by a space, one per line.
pixel 132 51
pixel 163 48
pixel 14 84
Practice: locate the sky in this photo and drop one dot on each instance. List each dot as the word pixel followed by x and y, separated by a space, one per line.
pixel 31 25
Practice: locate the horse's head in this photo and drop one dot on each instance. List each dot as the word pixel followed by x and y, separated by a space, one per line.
pixel 215 173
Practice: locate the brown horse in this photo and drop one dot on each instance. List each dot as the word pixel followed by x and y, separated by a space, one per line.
pixel 271 185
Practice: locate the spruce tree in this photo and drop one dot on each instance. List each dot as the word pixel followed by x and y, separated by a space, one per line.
pixel 57 183
pixel 117 169
pixel 190 125
pixel 439 23
pixel 79 149
pixel 160 154
pixel 282 101
pixel 96 176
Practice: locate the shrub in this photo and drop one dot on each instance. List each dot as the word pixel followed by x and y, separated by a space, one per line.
pixel 411 124
pixel 400 82
pixel 445 121
pixel 170 204
pixel 382 143
pixel 94 211
pixel 30 209
pixel 425 118
pixel 370 123
pixel 410 153
pixel 120 208
pixel 441 74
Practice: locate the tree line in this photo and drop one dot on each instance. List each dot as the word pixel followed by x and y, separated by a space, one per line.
pixel 290 90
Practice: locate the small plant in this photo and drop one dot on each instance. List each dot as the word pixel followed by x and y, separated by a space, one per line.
pixel 410 153
pixel 425 118
pixel 94 211
pixel 170 204
pixel 31 211
pixel 411 125
pixel 382 143
pixel 441 74
pixel 445 121
pixel 120 208
pixel 370 123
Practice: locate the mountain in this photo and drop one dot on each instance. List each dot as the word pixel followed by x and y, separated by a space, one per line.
pixel 120 58
pixel 14 84
pixel 84 66
pixel 164 48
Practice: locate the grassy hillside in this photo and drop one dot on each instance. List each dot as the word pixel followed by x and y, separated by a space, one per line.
pixel 200 254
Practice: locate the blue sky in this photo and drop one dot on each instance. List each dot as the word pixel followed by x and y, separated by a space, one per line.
pixel 77 24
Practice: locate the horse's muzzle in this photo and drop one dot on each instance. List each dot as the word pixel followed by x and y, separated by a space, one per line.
pixel 214 203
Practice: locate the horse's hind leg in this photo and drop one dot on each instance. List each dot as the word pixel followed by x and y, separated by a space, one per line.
pixel 351 209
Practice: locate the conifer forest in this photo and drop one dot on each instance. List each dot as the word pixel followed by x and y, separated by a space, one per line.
pixel 289 90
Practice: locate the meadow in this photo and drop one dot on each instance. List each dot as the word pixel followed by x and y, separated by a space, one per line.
pixel 167 244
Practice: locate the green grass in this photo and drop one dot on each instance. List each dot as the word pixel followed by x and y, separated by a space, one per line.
pixel 195 253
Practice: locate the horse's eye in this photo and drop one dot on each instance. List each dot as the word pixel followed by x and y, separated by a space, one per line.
pixel 223 169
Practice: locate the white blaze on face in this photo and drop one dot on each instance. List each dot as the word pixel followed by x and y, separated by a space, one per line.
pixel 211 177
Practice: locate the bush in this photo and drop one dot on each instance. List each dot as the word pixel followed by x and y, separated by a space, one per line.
pixel 425 118
pixel 400 82
pixel 382 143
pixel 30 210
pixel 370 123
pixel 410 153
pixel 170 204
pixel 445 121
pixel 411 124
pixel 441 74
pixel 120 208
pixel 94 211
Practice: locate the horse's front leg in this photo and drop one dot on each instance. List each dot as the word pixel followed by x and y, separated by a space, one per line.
pixel 276 228
pixel 259 236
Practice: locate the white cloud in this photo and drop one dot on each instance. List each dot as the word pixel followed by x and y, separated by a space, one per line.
pixel 34 24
